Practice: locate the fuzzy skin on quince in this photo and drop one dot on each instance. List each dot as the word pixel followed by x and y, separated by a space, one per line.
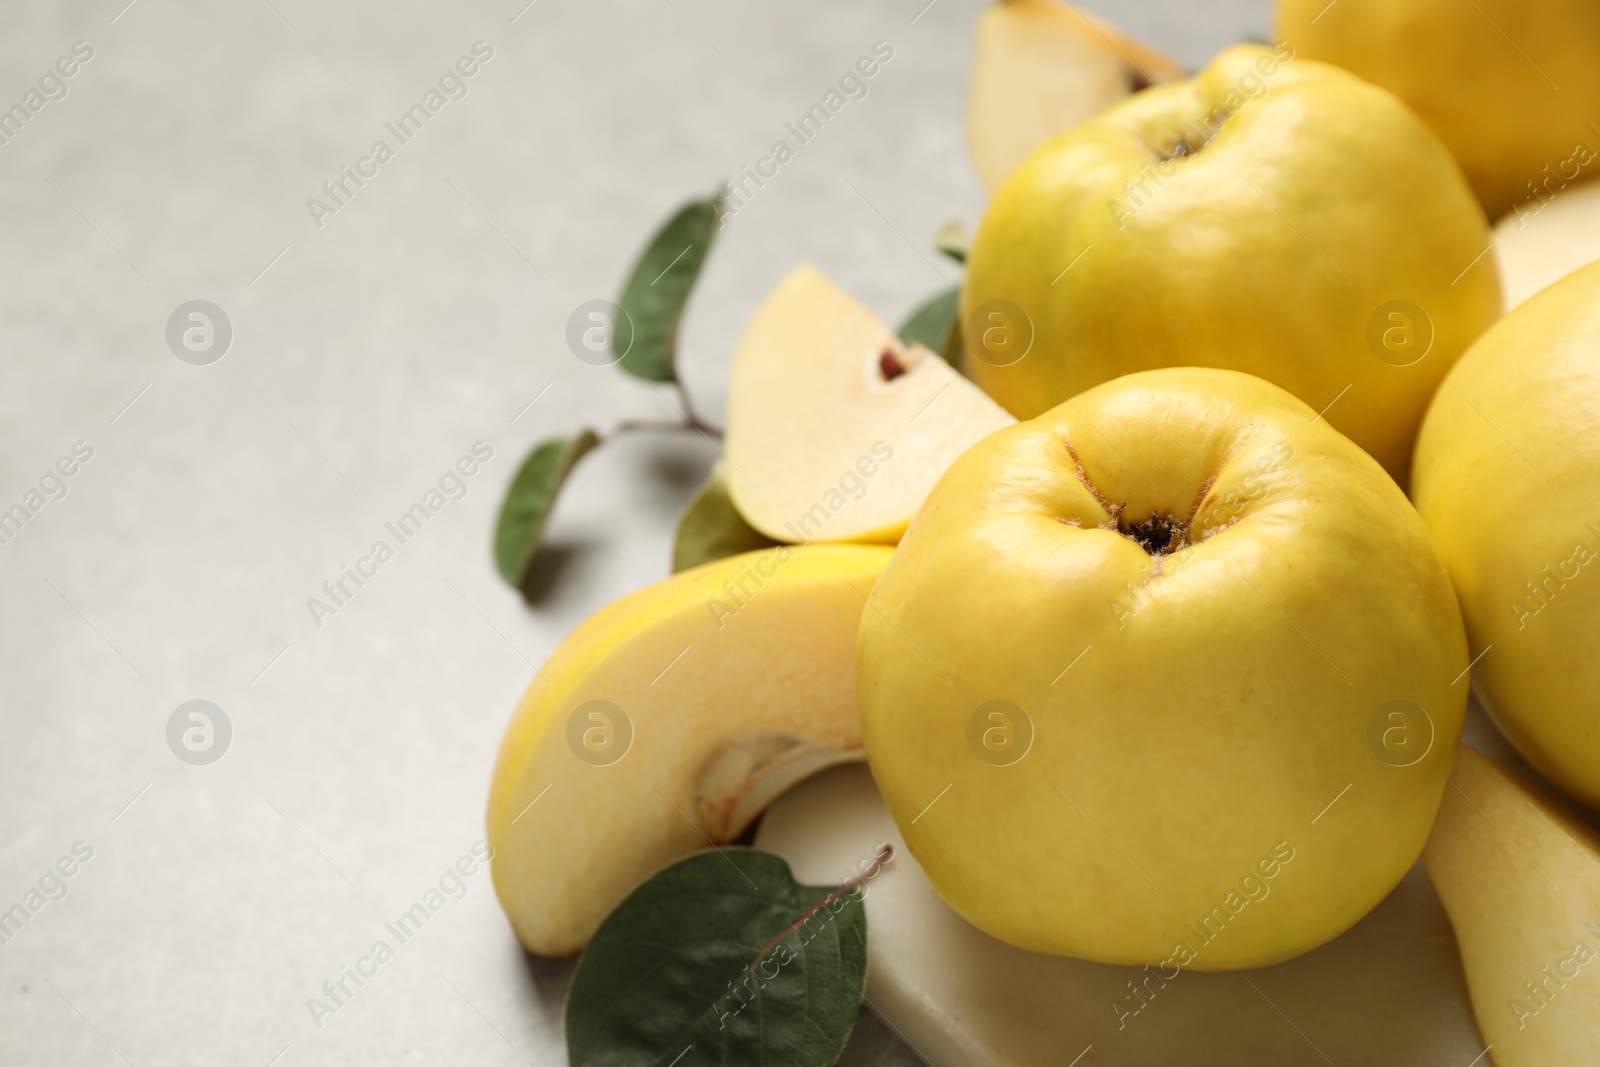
pixel 1508 480
pixel 1201 719
pixel 1509 85
pixel 1270 246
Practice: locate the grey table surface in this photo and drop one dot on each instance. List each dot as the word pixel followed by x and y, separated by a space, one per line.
pixel 370 349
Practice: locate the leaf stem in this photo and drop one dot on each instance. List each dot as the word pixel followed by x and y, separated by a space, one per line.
pixel 691 421
pixel 692 417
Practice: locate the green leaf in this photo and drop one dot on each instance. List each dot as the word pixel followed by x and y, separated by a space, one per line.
pixel 711 527
pixel 955 346
pixel 930 323
pixel 529 500
pixel 953 240
pixel 721 959
pixel 659 287
pixel 935 325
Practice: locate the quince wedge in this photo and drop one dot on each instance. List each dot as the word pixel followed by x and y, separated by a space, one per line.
pixel 1519 875
pixel 666 722
pixel 1041 67
pixel 1540 244
pixel 836 429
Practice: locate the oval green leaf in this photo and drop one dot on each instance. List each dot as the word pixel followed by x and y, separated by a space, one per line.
pixel 529 500
pixel 934 325
pixel 712 528
pixel 658 289
pixel 721 960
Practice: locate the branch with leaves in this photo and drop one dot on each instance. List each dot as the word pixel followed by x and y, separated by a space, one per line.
pixel 644 342
pixel 651 309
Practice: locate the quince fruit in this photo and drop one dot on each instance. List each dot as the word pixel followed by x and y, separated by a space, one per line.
pixel 1508 481
pixel 1508 85
pixel 1272 215
pixel 1166 676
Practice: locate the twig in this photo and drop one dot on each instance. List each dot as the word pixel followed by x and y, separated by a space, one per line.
pixel 691 421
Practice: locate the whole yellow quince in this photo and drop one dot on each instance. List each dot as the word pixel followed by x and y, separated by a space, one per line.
pixel 1169 675
pixel 1510 86
pixel 1272 215
pixel 1508 481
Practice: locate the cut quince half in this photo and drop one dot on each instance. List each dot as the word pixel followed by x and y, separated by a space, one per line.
pixel 666 722
pixel 1041 67
pixel 836 429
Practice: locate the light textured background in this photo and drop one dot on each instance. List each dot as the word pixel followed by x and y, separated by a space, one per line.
pixel 369 356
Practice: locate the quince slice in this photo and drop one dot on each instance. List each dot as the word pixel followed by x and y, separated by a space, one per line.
pixel 1542 241
pixel 1041 67
pixel 1520 875
pixel 837 430
pixel 666 722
